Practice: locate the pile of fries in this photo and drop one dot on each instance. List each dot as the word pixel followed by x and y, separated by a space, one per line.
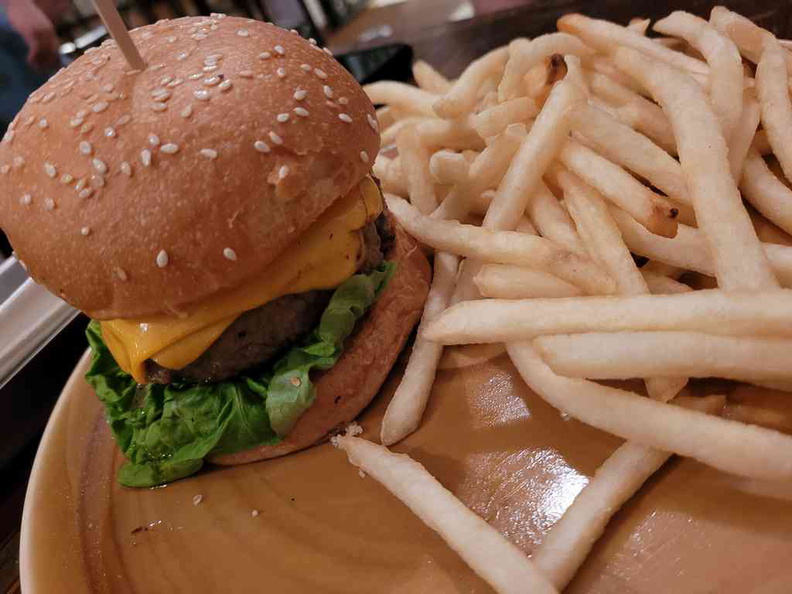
pixel 537 176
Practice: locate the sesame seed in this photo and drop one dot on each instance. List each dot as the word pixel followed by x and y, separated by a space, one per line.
pixel 50 170
pixel 126 168
pixel 85 231
pixel 85 193
pixel 79 185
pixel 86 128
pixel 279 49
pixel 209 153
pixel 48 97
pixel 225 86
pixel 283 172
pixel 343 100
pixel 110 132
pixel 9 136
pixel 275 138
pixel 18 161
pixel 328 92
pixel 170 39
pixel 145 157
pixel 265 55
pixel 283 117
pixel 197 499
pixel 25 199
pixel 97 181
pixel 175 83
pixel 124 119
pixel 345 118
pixel 312 41
pixel 43 123
pixel 85 147
pixel 327 51
pixel 99 107
pixel 153 139
pixel 306 67
pixel 210 68
pixel 211 81
pixel 4 169
pixel 243 33
pixel 320 73
pixel 261 146
pixel 28 121
pixel 246 73
pixel 213 58
pixel 372 121
pixel 108 88
pixel 169 148
pixel 67 178
pixel 100 165
pixel 364 156
pixel 186 112
pixel 181 56
pixel 162 262
pixel 201 95
pixel 161 94
pixel 195 76
pixel 199 36
pixel 49 204
pixel 230 254
pixel 74 122
pixel 301 111
pixel 159 106
pixel 300 94
pixel 254 513
pixel 121 273
pixel 281 72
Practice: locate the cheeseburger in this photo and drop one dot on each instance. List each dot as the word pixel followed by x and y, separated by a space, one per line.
pixel 215 216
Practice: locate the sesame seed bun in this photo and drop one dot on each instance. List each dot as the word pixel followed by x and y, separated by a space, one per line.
pixel 135 193
pixel 345 390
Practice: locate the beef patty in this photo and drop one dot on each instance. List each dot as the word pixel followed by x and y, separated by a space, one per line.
pixel 259 334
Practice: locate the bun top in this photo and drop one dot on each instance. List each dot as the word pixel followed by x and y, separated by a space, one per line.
pixel 134 193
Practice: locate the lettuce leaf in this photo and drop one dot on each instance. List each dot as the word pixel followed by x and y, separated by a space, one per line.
pixel 166 431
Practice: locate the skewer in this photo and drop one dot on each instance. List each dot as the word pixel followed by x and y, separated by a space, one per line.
pixel 115 26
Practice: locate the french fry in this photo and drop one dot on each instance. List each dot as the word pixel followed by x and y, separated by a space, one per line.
pixel 448 167
pixel 491 165
pixel 739 260
pixel 726 72
pixel 451 134
pixel 664 285
pixel 461 97
pixel 552 221
pixel 600 234
pixel 748 37
pixel 414 158
pixel 623 145
pixel 506 247
pixel 772 87
pixel 430 79
pixel 768 194
pixel 761 144
pixel 390 173
pixel 766 313
pixel 640 26
pixel 407 406
pixel 634 110
pixel 740 449
pixel 605 37
pixel 469 355
pixel 389 136
pixel 525 54
pixel 626 355
pixel 402 96
pixel 566 545
pixel 604 65
pixel 654 212
pixel 743 134
pixel 490 555
pixel 495 120
pixel 502 281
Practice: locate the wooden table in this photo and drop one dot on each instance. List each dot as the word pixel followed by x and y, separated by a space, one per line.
pixel 449 47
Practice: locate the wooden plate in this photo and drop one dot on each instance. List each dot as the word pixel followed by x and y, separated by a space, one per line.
pixel 323 528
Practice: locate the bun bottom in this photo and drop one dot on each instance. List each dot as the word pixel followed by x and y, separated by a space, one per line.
pixel 345 390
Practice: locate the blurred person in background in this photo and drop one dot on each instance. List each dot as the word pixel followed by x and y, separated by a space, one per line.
pixel 28 50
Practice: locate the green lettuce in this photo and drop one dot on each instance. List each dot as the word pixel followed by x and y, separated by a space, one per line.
pixel 166 431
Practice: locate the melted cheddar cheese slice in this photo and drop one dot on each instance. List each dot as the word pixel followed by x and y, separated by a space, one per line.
pixel 321 258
